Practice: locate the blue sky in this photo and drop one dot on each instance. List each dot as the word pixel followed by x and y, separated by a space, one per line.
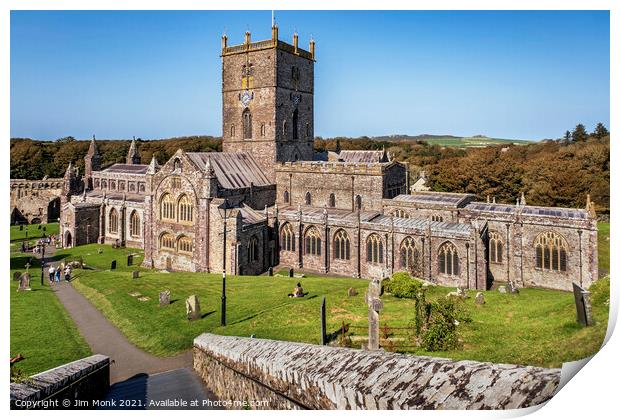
pixel 523 75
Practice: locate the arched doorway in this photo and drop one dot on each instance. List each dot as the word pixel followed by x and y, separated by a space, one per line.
pixel 53 210
pixel 68 243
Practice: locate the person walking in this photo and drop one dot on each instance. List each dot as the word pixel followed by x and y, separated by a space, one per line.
pixel 58 274
pixel 51 273
pixel 68 273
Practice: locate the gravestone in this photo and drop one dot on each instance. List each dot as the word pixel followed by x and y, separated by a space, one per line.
pixel 44 228
pixel 192 307
pixel 129 260
pixel 135 275
pixel 164 298
pixel 583 305
pixel 270 272
pixel 291 272
pixel 21 228
pixel 17 275
pixel 24 282
pixel 28 265
pixel 323 324
pixel 512 288
pixel 39 227
pixel 375 305
pixel 480 298
pixel 352 292
pixel 113 265
pixel 501 289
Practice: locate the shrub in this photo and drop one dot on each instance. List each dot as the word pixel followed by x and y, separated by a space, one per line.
pixel 600 292
pixel 402 285
pixel 440 332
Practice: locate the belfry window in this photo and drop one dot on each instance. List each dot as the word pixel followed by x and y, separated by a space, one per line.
pixel 247 124
pixel 295 124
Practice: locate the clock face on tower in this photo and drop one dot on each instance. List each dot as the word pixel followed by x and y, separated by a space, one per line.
pixel 245 98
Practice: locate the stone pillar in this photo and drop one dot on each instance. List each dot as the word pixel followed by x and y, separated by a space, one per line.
pixel 375 305
pixel 123 224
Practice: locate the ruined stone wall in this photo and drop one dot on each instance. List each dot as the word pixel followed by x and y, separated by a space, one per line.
pixel 294 375
pixel 35 201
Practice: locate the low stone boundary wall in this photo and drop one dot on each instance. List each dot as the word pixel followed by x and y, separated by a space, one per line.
pixel 86 379
pixel 295 375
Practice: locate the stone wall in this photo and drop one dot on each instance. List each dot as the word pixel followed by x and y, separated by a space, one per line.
pixel 35 201
pixel 86 379
pixel 294 375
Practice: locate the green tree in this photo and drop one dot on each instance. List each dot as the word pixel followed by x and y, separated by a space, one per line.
pixel 600 131
pixel 567 137
pixel 579 133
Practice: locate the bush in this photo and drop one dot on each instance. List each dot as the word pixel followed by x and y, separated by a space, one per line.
pixel 402 285
pixel 440 332
pixel 600 292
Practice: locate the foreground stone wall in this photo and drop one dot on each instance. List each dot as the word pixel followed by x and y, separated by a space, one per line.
pixel 86 379
pixel 294 375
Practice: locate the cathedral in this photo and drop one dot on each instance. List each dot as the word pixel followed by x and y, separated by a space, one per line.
pixel 267 201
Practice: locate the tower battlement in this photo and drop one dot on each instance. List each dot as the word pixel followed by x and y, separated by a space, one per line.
pixel 274 42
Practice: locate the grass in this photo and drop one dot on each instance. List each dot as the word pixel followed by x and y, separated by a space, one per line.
pixel 535 327
pixel 603 248
pixel 41 329
pixel 33 231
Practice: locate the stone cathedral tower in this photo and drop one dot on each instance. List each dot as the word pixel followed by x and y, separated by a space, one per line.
pixel 268 100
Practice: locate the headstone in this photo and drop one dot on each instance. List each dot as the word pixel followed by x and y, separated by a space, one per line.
pixel 113 265
pixel 164 298
pixel 129 260
pixel 135 275
pixel 291 272
pixel 323 324
pixel 461 292
pixel 44 228
pixel 192 307
pixel 270 271
pixel 501 289
pixel 583 305
pixel 21 228
pixel 480 298
pixel 24 282
pixel 352 292
pixel 512 288
pixel 39 227
pixel 17 275
pixel 375 305
pixel 99 251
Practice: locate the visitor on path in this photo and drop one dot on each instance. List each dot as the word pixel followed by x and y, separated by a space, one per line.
pixel 57 277
pixel 68 273
pixel 51 272
pixel 298 292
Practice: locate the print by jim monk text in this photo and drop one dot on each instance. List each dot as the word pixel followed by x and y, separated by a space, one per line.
pixel 137 403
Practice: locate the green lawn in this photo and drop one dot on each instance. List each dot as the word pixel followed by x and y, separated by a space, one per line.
pixel 603 248
pixel 535 327
pixel 41 329
pixel 33 231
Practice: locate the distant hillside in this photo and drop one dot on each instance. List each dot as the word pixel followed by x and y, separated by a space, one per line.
pixel 449 140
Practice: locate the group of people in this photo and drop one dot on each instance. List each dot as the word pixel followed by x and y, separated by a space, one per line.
pixel 56 272
pixel 45 240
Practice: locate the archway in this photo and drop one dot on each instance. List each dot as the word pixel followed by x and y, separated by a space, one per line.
pixel 53 210
pixel 68 243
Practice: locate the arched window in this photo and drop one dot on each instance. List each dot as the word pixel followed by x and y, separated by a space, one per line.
pixel 166 241
pixel 313 241
pixel 232 130
pixel 358 202
pixel 448 260
pixel 247 124
pixel 185 245
pixel 113 221
pixel 332 200
pixel 112 185
pixel 134 224
pixel 166 208
pixel 141 187
pixel 253 249
pixel 496 248
pixel 308 199
pixel 177 164
pixel 287 238
pixel 262 130
pixel 551 252
pixel 284 128
pixel 295 124
pixel 401 214
pixel 436 218
pixel 342 246
pixel 132 187
pixel 409 254
pixel 186 209
pixel 286 197
pixel 374 249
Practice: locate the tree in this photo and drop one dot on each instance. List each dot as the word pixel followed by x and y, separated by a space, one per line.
pixel 579 133
pixel 600 131
pixel 567 137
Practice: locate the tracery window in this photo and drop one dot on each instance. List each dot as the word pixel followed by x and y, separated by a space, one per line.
pixel 448 259
pixel 166 208
pixel 496 248
pixel 186 209
pixel 342 246
pixel 409 254
pixel 551 252
pixel 166 241
pixel 374 249
pixel 185 245
pixel 134 224
pixel 113 221
pixel 287 238
pixel 313 241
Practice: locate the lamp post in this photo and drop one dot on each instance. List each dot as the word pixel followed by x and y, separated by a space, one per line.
pixel 222 211
pixel 42 260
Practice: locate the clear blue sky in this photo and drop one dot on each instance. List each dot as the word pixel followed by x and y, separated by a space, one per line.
pixel 524 75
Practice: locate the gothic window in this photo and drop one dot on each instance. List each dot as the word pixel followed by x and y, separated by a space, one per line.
pixel 232 130
pixel 121 185
pixel 448 260
pixel 177 164
pixel 287 238
pixel 186 209
pixel 166 241
pixel 358 202
pixel 286 197
pixel 112 185
pixel 134 224
pixel 247 124
pixel 185 245
pixel 308 199
pixel 295 124
pixel 253 249
pixel 141 185
pixel 409 254
pixel 374 249
pixel 313 241
pixel 332 200
pixel 401 214
pixel 436 218
pixel 166 208
pixel 551 252
pixel 132 187
pixel 496 248
pixel 113 221
pixel 342 246
pixel 262 130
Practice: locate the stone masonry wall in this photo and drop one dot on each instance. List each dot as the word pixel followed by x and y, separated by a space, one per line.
pixel 294 375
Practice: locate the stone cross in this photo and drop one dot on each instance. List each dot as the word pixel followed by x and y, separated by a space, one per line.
pixel 27 266
pixel 375 305
pixel 164 298
pixel 192 306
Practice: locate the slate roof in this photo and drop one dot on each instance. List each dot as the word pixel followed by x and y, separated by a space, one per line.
pixel 232 170
pixel 363 156
pixel 435 198
pixel 566 213
pixel 128 169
